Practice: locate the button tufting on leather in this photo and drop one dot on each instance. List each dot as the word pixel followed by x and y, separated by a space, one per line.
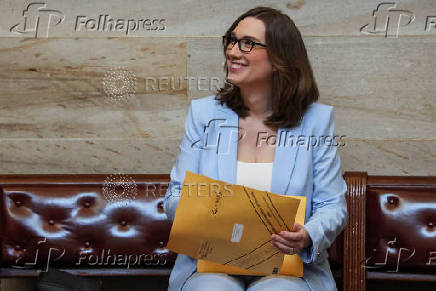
pixel 51 222
pixel 17 247
pixel 160 207
pixel 123 223
pixel 392 200
pixel 87 244
pixel 87 204
pixel 18 203
pixel 391 243
pixel 430 224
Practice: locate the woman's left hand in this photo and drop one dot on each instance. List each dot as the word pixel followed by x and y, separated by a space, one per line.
pixel 291 242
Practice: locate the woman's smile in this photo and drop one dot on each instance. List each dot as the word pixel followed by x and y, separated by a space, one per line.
pixel 236 66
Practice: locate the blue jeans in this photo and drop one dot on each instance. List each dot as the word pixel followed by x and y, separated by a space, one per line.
pixel 223 282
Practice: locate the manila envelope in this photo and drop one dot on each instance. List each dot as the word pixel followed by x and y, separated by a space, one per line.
pixel 231 225
pixel 292 264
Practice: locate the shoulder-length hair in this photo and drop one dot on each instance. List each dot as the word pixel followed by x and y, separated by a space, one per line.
pixel 293 84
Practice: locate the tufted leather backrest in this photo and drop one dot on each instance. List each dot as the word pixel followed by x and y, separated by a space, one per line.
pixel 401 224
pixel 76 221
pixel 84 221
pixel 80 221
pixel 390 233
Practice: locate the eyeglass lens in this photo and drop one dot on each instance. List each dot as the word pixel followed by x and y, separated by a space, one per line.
pixel 245 45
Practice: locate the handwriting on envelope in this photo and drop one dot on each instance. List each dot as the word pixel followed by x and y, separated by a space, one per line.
pixel 231 224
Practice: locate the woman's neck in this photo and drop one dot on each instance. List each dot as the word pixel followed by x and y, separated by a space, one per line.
pixel 258 99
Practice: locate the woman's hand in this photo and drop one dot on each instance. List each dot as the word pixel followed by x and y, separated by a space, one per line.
pixel 291 242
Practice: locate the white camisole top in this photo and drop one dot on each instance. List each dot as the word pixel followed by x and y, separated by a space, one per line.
pixel 254 175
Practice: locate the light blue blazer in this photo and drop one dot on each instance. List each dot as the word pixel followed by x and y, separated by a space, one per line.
pixel 209 147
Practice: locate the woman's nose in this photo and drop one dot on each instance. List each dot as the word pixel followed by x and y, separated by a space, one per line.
pixel 234 51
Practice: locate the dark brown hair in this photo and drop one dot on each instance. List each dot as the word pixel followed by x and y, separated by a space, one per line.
pixel 293 84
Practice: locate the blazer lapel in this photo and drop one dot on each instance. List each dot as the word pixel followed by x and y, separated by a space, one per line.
pixel 284 159
pixel 227 143
pixel 284 156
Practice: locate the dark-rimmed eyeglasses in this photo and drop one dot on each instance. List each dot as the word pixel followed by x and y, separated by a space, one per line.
pixel 245 45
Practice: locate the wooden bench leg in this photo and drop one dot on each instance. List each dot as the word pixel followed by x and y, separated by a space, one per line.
pixel 354 277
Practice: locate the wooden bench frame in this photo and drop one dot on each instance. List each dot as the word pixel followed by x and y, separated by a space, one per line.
pixel 355 273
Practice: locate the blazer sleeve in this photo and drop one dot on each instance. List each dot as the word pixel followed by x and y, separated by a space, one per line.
pixel 187 160
pixel 329 207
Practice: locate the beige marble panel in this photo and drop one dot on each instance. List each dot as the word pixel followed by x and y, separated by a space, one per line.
pixel 205 60
pixel 80 156
pixel 390 157
pixel 163 118
pixel 380 88
pixel 208 17
pixel 53 88
pixel 377 157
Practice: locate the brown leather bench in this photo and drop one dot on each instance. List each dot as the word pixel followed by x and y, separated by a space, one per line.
pixel 66 221
pixel 391 232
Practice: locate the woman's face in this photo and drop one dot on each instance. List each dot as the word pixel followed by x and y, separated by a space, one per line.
pixel 249 69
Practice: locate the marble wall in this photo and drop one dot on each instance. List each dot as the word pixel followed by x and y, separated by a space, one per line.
pixel 56 117
pixel 59 113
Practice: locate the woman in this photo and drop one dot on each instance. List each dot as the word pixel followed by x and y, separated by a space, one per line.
pixel 271 95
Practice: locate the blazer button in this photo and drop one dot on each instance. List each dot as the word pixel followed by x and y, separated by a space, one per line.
pixel 317 253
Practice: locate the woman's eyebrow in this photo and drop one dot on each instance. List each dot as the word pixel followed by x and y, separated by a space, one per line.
pixel 246 36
